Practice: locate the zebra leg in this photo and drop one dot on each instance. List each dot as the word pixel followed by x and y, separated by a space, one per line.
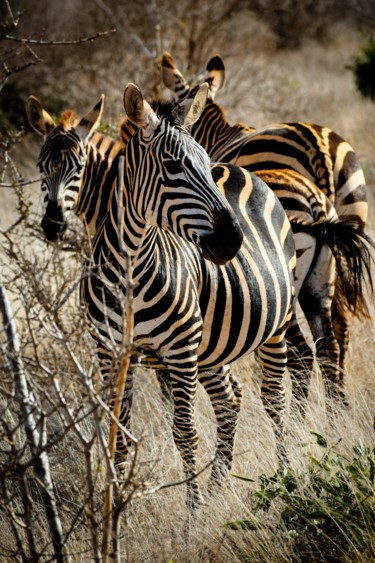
pixel 184 388
pixel 316 297
pixel 123 440
pixel 164 380
pixel 272 356
pixel 225 394
pixel 300 364
pixel 340 323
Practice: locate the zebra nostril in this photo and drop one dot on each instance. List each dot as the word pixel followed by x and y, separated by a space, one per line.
pixel 224 243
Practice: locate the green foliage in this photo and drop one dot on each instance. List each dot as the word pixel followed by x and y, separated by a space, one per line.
pixel 328 513
pixel 364 70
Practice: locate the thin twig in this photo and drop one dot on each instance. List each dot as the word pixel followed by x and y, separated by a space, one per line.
pixel 59 41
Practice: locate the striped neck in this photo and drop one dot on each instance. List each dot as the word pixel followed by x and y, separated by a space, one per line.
pixel 98 180
pixel 216 135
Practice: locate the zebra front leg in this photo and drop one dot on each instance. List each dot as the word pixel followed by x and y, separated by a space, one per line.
pixel 123 438
pixel 185 434
pixel 108 368
pixel 225 394
pixel 272 356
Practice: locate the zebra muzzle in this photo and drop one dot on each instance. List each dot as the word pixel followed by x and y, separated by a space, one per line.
pixel 53 223
pixel 225 241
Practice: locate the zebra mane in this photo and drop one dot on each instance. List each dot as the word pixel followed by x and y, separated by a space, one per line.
pixel 239 126
pixel 68 119
pixel 126 130
pixel 165 109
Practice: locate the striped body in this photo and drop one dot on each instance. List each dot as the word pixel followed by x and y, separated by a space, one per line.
pixel 222 329
pixel 316 152
pixel 166 211
pixel 192 317
pixel 309 152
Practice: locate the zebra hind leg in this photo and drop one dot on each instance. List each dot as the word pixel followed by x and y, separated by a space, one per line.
pixel 272 356
pixel 300 365
pixel 340 323
pixel 225 394
pixel 164 379
pixel 316 299
pixel 327 349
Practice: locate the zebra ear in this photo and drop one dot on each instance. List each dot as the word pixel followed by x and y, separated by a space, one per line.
pixel 172 77
pixel 194 107
pixel 215 74
pixel 138 110
pixel 39 119
pixel 90 121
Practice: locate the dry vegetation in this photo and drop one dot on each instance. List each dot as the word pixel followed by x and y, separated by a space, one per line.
pixel 264 84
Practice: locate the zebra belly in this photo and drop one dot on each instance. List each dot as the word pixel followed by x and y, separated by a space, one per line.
pixel 246 306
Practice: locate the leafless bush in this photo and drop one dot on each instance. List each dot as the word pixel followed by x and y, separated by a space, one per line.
pixel 56 464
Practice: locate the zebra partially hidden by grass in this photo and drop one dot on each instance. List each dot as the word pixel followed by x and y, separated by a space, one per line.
pixel 212 270
pixel 300 152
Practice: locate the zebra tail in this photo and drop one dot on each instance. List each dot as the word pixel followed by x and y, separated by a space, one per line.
pixel 351 248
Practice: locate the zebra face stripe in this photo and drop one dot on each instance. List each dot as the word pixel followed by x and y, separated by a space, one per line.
pixel 184 198
pixel 62 163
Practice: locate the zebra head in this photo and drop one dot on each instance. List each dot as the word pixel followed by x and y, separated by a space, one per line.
pixel 174 80
pixel 169 176
pixel 61 161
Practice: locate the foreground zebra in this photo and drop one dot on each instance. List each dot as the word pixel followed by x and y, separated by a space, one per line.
pixel 190 315
pixel 329 251
pixel 316 153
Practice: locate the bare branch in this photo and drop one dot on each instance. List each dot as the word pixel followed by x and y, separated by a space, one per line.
pixel 134 38
pixel 59 41
pixel 36 438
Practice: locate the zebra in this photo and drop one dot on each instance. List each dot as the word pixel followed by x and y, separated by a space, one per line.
pixel 331 253
pixel 322 241
pixel 213 275
pixel 72 150
pixel 312 151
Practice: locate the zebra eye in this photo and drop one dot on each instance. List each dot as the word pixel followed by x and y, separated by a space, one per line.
pixel 173 167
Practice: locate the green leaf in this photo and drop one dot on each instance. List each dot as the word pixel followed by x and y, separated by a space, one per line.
pixel 242 478
pixel 320 440
pixel 244 524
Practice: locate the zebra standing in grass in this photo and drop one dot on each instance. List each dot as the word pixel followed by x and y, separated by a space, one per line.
pixel 192 313
pixel 306 150
pixel 328 249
